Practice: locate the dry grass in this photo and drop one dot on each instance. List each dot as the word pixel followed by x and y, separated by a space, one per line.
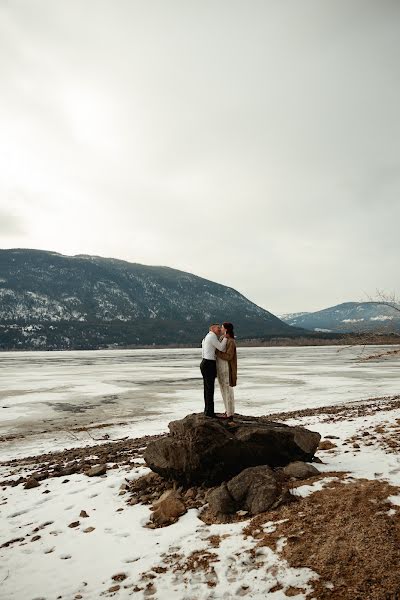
pixel 345 534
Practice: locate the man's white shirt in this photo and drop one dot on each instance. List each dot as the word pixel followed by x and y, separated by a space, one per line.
pixel 210 344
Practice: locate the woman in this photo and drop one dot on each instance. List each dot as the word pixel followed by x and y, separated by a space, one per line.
pixel 227 370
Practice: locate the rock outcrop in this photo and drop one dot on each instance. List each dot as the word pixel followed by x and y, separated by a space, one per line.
pixel 254 490
pixel 201 450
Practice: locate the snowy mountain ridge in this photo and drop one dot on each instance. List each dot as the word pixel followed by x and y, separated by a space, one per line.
pixel 88 298
pixel 349 317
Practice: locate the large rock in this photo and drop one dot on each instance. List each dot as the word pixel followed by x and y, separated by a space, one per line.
pixel 254 490
pixel 200 449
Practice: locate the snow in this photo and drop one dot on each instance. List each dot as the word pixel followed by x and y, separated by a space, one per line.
pixel 305 490
pixel 352 320
pixel 46 395
pixel 382 318
pixel 161 385
pixel 84 563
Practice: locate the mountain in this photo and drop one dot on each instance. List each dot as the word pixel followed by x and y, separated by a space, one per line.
pixel 354 317
pixel 52 301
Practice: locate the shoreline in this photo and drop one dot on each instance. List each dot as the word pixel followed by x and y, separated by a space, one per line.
pixel 327 414
pixel 264 342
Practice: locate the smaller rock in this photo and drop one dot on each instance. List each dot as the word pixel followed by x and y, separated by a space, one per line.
pixel 168 508
pixel 119 577
pixel 83 514
pixel 326 445
pixel 69 469
pixel 114 588
pixel 220 500
pixel 35 538
pixel 74 524
pixel 255 489
pixel 355 445
pixel 13 541
pixel 30 483
pixel 242 513
pixel 332 437
pixel 88 529
pixel 97 471
pixel 190 494
pixel 300 470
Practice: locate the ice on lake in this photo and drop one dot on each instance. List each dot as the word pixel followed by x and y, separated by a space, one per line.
pixel 44 392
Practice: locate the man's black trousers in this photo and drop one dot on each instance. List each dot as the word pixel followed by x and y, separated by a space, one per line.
pixel 208 369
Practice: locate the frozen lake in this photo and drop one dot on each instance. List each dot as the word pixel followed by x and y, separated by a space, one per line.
pixel 45 392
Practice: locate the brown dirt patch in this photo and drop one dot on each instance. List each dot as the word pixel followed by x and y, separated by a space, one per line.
pixel 295 483
pixel 386 435
pixel 360 408
pixel 215 540
pixel 150 487
pixel 77 460
pixel 344 534
pixel 200 560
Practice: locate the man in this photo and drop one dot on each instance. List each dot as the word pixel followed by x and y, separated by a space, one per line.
pixel 208 365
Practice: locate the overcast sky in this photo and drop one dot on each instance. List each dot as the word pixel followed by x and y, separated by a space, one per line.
pixel 254 143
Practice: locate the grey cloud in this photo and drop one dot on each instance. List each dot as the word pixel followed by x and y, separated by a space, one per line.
pixel 10 224
pixel 267 130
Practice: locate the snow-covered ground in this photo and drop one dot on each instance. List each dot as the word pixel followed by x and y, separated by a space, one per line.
pixel 80 562
pixel 72 563
pixel 67 561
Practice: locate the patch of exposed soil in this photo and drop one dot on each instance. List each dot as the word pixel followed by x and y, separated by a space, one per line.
pixel 197 560
pixel 77 460
pixel 344 533
pixel 386 435
pixel 337 475
pixel 150 487
pixel 360 408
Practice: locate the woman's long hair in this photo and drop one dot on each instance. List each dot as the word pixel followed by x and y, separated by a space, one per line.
pixel 229 329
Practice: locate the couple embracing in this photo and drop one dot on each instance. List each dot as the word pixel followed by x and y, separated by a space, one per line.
pixel 219 359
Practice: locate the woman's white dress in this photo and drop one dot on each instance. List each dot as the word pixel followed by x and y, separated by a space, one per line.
pixel 226 390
